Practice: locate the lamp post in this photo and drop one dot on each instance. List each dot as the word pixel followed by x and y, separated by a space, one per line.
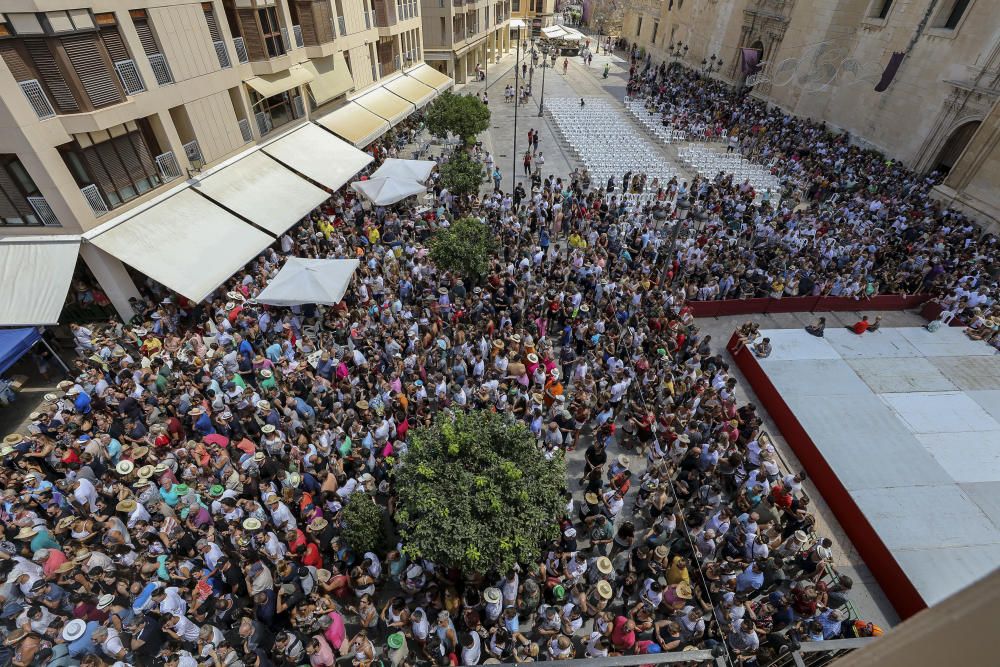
pixel 541 99
pixel 712 65
pixel 516 23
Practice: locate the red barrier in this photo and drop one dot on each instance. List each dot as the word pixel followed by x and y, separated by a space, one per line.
pixel 804 304
pixel 877 556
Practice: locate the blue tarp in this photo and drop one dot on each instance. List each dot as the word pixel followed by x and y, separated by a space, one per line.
pixel 14 343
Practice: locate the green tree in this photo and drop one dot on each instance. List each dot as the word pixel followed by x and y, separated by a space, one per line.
pixel 464 116
pixel 461 174
pixel 463 248
pixel 363 530
pixel 476 493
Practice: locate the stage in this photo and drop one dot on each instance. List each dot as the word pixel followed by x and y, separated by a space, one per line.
pixel 900 431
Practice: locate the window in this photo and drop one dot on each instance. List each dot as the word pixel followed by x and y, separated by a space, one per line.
pixel 515 5
pixel 951 14
pixel 15 188
pixel 277 108
pixel 879 9
pixel 271 31
pixel 122 168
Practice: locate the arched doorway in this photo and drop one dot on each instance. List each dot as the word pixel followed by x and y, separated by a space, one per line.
pixel 953 147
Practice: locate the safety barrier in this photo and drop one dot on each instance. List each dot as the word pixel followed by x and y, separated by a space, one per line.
pixel 805 304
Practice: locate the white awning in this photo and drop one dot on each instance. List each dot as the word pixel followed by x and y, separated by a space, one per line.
pixel 317 154
pixel 384 191
pixel 426 74
pixel 412 90
pixel 330 77
pixel 302 280
pixel 36 275
pixel 416 170
pixel 185 242
pixel 269 85
pixel 381 102
pixel 355 123
pixel 263 191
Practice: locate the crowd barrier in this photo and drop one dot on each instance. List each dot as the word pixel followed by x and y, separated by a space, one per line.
pixel 805 304
pixel 897 586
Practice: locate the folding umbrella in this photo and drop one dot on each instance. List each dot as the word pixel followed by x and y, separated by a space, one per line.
pixel 416 170
pixel 302 280
pixel 384 191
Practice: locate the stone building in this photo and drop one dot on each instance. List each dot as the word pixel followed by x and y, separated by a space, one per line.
pixel 822 59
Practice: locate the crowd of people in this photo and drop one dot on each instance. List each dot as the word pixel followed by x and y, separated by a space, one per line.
pixel 179 500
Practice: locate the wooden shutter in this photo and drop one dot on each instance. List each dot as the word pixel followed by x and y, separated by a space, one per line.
pixel 12 201
pixel 146 37
pixel 114 164
pixel 145 155
pixel 16 62
pixel 324 21
pixel 100 84
pixel 252 38
pixel 50 75
pixel 100 174
pixel 213 25
pixel 115 45
pixel 307 22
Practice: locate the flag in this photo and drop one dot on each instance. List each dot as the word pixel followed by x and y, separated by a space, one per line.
pixel 749 61
pixel 890 71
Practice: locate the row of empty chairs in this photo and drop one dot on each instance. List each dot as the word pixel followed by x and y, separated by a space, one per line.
pixel 605 141
pixel 653 122
pixel 709 161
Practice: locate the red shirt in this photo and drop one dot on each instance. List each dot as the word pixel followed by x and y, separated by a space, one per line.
pixel 311 556
pixel 622 640
pixel 861 326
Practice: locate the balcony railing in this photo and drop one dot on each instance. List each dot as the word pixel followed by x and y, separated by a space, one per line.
pixel 43 211
pixel 241 50
pixel 263 123
pixel 223 54
pixel 368 20
pixel 245 131
pixel 342 23
pixel 298 106
pixel 94 198
pixel 284 39
pixel 297 33
pixel 397 62
pixel 193 151
pixel 131 79
pixel 375 76
pixel 161 70
pixel 168 166
pixel 37 99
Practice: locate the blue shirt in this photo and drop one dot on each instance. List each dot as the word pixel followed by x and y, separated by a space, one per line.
pixel 85 644
pixel 749 580
pixel 82 403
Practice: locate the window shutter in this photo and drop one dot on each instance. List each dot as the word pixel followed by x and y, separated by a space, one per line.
pixel 251 34
pixel 51 75
pixel 307 23
pixel 213 25
pixel 16 63
pixel 146 37
pixel 12 202
pixel 324 21
pixel 115 45
pixel 114 163
pixel 100 84
pixel 102 178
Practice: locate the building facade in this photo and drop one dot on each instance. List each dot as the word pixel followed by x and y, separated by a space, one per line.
pixel 536 14
pixel 460 35
pixel 823 59
pixel 107 107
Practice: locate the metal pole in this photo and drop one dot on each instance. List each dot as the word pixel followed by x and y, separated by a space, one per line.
pixel 541 99
pixel 517 96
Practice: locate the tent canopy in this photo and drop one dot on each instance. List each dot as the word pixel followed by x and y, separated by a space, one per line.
pixel 384 191
pixel 416 170
pixel 302 280
pixel 36 275
pixel 14 343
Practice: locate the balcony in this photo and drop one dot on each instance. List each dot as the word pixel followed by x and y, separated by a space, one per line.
pixel 297 33
pixel 37 99
pixel 43 211
pixel 241 50
pixel 222 53
pixel 94 198
pixel 130 77
pixel 161 70
pixel 245 130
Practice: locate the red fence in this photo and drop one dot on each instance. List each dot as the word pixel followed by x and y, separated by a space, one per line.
pixel 897 586
pixel 804 304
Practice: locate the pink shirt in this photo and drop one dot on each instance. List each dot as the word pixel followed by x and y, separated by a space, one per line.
pixel 52 563
pixel 324 657
pixel 335 634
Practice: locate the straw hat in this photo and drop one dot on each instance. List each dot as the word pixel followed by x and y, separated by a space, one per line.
pixel 604 590
pixel 683 590
pixel 604 565
pixel 195 412
pixel 263 406
pixel 160 468
pixel 532 358
pixel 317 525
pixel 74 630
pixel 146 471
pixel 361 405
pixel 124 467
pixel 267 428
pixel 498 344
pixel 266 373
pixel 65 567
pixel 516 338
pixel 554 373
pixel 105 601
pixel 590 498
pixel 13 439
pixel 801 537
pixel 323 575
pixel 251 524
pixel 492 595
pixel 25 533
pixel 624 460
pixel 128 506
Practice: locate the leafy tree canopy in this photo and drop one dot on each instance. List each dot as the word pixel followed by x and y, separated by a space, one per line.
pixel 363 529
pixel 463 248
pixel 461 174
pixel 476 493
pixel 463 115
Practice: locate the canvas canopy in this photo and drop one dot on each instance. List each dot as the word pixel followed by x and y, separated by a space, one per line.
pixel 302 280
pixel 385 191
pixel 415 170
